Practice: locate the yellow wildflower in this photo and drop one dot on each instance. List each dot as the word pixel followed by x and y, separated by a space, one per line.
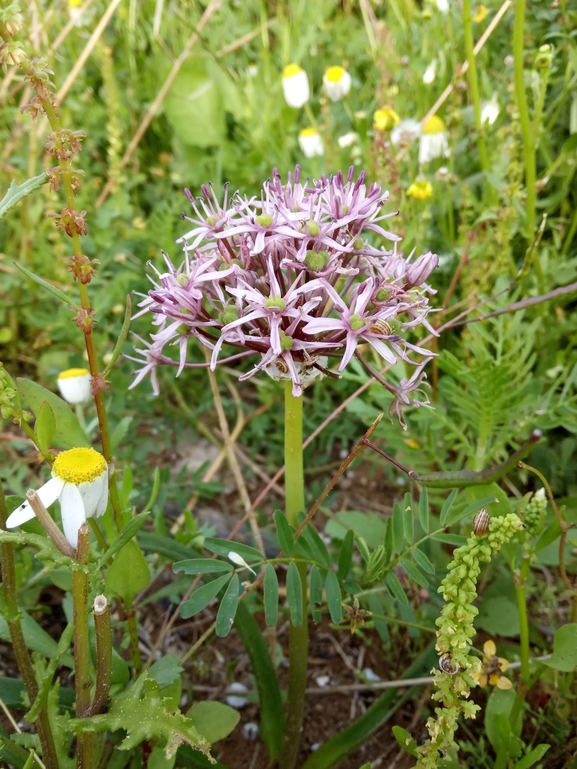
pixel 420 190
pixel 481 12
pixel 492 668
pixel 385 118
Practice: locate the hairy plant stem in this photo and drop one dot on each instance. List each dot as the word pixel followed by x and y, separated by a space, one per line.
pixel 85 750
pixel 103 654
pixel 526 131
pixel 298 636
pixel 12 615
pixel 474 84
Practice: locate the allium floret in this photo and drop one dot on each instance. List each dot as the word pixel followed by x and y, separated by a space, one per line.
pixel 293 277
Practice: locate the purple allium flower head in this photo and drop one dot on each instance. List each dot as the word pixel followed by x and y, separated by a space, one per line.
pixel 293 277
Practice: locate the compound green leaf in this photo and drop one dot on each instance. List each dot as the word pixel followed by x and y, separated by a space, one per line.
pixel 448 503
pixel 270 595
pixel 202 566
pixel 408 525
pixel 346 554
pixel 225 546
pixel 201 597
pixel 294 593
pixel 424 510
pixel 396 588
pixel 422 560
pixel 227 608
pixel 285 532
pixel 334 597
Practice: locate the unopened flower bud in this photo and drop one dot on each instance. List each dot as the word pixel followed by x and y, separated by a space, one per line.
pixel 418 272
pixel 239 560
pixel 544 57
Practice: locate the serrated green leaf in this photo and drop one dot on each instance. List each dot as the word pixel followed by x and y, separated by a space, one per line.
pixel 269 694
pixel 166 670
pixel 202 596
pixel 448 503
pixel 294 593
pixel 424 510
pixel 125 535
pixel 414 572
pixel 403 737
pixel 227 608
pixel 270 595
pixel 334 597
pixel 422 560
pixel 225 546
pixel 408 526
pixel 396 588
pixel 18 191
pixel 142 713
pixel 202 566
pixel 398 527
pixel 346 554
pixel 129 573
pixel 68 434
pixel 45 427
pixel 285 532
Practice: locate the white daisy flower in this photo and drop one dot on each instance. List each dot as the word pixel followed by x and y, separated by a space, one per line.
pixel 490 110
pixel 337 83
pixel 74 385
pixel 434 140
pixel 311 143
pixel 347 140
pixel 406 132
pixel 442 5
pixel 295 85
pixel 80 483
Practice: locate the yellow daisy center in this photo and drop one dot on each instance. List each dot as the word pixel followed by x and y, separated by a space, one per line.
pixel 72 373
pixel 79 465
pixel 291 70
pixel 334 74
pixel 74 3
pixel 434 125
pixel 308 132
pixel 420 190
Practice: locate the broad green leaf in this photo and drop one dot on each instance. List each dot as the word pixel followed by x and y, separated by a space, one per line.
pixel 315 592
pixel 269 694
pixel 414 572
pixel 498 616
pixel 214 720
pixel 334 597
pixel 18 191
pixel 68 434
pixel 346 554
pixel 227 608
pixel 119 432
pixel 398 527
pixel 500 702
pixel 35 638
pixel 294 593
pixel 564 655
pixel 47 286
pixel 424 510
pixel 473 508
pixel 129 573
pixel 500 505
pixel 125 535
pixel 202 596
pixel 285 532
pixel 45 427
pixel 166 546
pixel 447 506
pixel 270 595
pixel 142 713
pixel 403 737
pixel 408 525
pixel 422 560
pixel 396 588
pixel 202 566
pixel 224 547
pixel 532 757
pixel 166 670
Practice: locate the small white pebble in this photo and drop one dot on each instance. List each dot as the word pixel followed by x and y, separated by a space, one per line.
pixel 370 675
pixel 237 702
pixel 315 747
pixel 250 731
pixel 323 681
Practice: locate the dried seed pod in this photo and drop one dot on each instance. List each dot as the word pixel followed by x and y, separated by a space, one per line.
pixel 282 365
pixel 481 523
pixel 446 664
pixel 380 327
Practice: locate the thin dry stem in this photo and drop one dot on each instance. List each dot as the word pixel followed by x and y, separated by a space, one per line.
pixel 49 525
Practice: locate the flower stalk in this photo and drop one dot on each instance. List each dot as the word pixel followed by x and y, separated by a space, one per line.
pixel 298 636
pixel 49 524
pixel 103 654
pixel 23 661
pixel 474 84
pixel 80 586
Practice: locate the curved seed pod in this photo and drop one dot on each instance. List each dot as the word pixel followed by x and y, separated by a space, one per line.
pixel 381 327
pixel 446 664
pixel 481 523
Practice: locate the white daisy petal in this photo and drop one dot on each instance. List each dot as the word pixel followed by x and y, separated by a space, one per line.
pixel 91 491
pixel 103 501
pixel 73 515
pixel 48 495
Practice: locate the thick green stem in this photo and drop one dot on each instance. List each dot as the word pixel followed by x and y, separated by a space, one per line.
pixel 85 752
pixel 298 636
pixel 528 139
pixel 473 83
pixel 49 754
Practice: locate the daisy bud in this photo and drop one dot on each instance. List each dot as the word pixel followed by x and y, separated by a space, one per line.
pixel 74 385
pixel 337 83
pixel 295 85
pixel 239 560
pixel 434 142
pixel 311 143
